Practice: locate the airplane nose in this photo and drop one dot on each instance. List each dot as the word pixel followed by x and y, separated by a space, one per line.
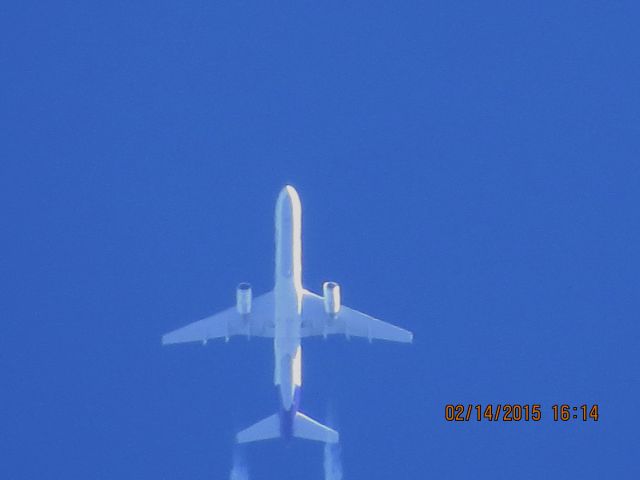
pixel 288 197
pixel 288 191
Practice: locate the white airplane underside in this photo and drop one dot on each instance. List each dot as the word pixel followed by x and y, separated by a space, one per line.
pixel 287 314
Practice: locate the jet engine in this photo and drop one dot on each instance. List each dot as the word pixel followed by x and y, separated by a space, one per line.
pixel 331 291
pixel 243 298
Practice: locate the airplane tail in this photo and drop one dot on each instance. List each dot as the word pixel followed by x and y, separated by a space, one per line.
pixel 303 427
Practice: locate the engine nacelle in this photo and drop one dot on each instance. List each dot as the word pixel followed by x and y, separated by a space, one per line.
pixel 243 298
pixel 331 292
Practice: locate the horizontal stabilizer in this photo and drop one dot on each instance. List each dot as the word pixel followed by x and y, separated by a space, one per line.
pixel 265 429
pixel 308 428
pixel 303 427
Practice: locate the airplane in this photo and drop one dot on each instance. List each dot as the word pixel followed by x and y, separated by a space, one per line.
pixel 287 314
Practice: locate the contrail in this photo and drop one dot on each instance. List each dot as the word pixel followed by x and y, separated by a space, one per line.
pixel 239 470
pixel 332 463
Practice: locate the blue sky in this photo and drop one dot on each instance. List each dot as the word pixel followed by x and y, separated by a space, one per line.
pixel 468 170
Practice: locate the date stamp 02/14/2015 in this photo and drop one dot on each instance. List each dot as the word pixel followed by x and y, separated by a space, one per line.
pixel 515 412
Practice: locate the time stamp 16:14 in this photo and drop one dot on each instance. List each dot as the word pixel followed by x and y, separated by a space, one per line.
pixel 515 412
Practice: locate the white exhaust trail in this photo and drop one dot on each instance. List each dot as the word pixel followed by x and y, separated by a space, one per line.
pixel 332 462
pixel 239 470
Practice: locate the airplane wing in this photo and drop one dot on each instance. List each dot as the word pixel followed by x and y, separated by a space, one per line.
pixel 259 322
pixel 348 322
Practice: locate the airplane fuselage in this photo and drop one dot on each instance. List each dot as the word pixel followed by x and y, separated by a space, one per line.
pixel 288 303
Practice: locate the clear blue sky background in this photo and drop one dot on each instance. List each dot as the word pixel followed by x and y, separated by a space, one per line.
pixel 468 170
